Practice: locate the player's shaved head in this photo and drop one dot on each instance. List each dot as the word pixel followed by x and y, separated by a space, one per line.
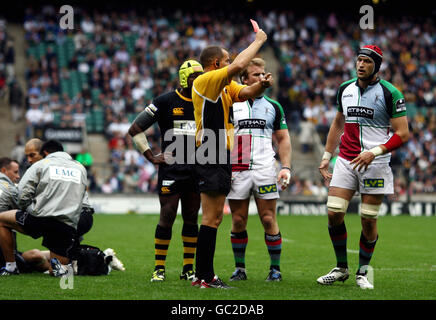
pixel 35 143
pixel 32 148
pixel 209 55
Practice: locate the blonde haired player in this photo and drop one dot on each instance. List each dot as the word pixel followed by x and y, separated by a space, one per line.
pixel 256 121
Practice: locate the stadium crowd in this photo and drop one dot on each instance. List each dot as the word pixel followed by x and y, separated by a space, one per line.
pixel 102 73
pixel 7 56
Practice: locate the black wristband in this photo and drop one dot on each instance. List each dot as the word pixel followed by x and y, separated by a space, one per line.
pixel 287 168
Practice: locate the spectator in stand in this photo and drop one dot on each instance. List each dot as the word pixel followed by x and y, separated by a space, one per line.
pixel 18 153
pixel 121 55
pixel 131 181
pixel 16 101
pixel 131 157
pixel 67 116
pixel 34 117
pixel 107 187
pixel 55 104
pixel 47 114
pixel 2 83
pixel 9 59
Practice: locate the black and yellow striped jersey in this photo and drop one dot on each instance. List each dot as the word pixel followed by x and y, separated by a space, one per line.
pixel 175 115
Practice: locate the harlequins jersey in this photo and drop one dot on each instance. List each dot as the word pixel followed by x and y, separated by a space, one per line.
pixel 254 122
pixel 367 116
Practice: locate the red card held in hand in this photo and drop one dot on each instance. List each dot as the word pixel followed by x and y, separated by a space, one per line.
pixel 255 25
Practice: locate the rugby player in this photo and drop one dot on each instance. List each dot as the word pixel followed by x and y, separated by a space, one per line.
pixel 174 114
pixel 256 121
pixel 370 123
pixel 213 95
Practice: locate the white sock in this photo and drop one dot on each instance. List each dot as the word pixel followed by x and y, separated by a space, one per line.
pixel 11 266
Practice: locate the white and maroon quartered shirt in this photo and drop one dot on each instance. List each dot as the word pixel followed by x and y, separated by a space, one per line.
pixel 254 122
pixel 367 116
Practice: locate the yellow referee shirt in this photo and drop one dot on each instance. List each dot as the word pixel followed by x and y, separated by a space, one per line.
pixel 213 95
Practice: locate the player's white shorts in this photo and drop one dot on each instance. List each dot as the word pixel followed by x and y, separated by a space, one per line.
pixel 377 179
pixel 262 183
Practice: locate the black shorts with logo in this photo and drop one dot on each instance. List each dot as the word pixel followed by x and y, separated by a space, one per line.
pixel 173 179
pixel 58 237
pixel 214 177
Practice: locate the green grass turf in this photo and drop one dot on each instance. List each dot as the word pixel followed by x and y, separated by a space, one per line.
pixel 404 263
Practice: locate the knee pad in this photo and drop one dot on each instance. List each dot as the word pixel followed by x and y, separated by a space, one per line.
pixel 369 211
pixel 337 204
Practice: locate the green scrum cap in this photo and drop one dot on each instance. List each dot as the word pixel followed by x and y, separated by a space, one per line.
pixel 186 69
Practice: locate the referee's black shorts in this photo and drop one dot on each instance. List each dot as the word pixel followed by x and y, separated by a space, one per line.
pixel 58 237
pixel 214 177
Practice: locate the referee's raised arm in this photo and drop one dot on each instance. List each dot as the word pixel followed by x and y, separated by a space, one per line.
pixel 243 58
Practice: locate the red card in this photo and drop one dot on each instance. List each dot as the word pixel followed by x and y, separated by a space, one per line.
pixel 255 25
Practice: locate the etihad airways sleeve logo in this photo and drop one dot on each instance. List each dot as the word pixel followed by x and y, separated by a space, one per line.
pixel 65 174
pixel 361 112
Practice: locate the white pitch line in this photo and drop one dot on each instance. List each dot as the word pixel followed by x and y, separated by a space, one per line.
pixel 287 240
pixel 352 251
pixel 403 269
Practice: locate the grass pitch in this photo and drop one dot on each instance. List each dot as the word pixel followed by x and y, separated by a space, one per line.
pixel 404 263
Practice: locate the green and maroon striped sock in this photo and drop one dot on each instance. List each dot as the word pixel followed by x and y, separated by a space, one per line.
pixel 274 245
pixel 239 242
pixel 366 249
pixel 338 235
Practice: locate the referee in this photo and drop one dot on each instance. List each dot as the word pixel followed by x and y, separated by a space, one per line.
pixel 213 95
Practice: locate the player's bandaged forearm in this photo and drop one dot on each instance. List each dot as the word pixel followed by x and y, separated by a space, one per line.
pixel 141 142
pixel 376 151
pixel 326 156
pixel 287 178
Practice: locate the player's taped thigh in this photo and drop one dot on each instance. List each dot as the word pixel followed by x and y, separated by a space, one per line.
pixel 337 204
pixel 369 211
